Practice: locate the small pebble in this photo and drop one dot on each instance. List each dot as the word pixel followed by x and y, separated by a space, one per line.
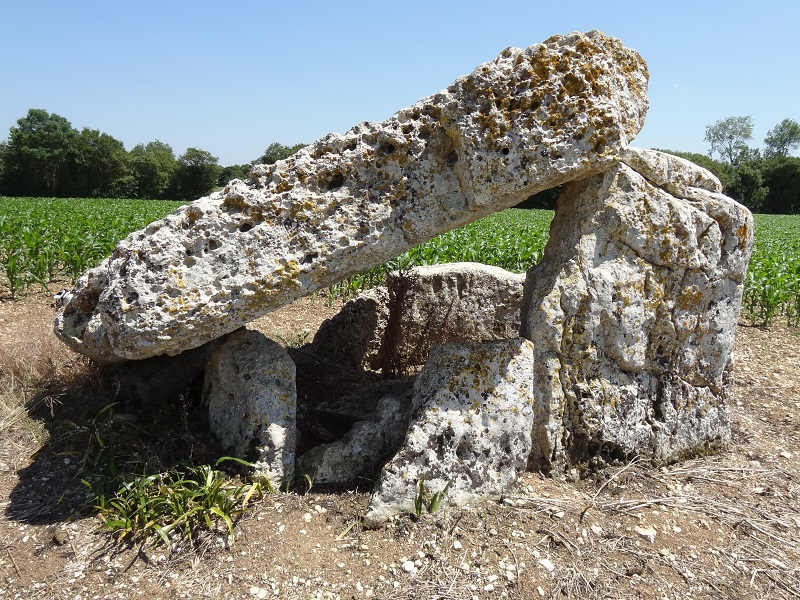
pixel 547 564
pixel 409 566
pixel 60 537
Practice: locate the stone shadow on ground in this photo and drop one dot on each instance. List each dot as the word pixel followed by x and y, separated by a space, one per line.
pixel 97 436
pixel 110 424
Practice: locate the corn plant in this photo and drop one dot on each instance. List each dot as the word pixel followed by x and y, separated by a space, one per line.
pixel 772 285
pixel 42 239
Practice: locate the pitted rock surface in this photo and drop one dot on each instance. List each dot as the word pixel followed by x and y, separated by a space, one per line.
pixel 633 313
pixel 524 122
pixel 354 336
pixel 251 395
pixel 472 428
pixel 455 302
pixel 394 328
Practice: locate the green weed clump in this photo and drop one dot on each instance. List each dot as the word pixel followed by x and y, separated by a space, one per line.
pixel 426 501
pixel 143 488
pixel 175 504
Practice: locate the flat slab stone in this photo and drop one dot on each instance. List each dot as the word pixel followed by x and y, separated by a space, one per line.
pixel 527 121
pixel 394 328
pixel 471 433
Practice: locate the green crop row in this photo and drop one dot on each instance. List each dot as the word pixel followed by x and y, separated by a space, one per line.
pixel 513 240
pixel 46 239
pixel 772 287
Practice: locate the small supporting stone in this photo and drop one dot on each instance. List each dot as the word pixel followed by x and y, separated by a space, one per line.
pixel 251 395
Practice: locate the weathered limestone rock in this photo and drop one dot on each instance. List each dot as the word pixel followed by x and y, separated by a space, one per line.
pixel 472 428
pixel 354 336
pixel 454 302
pixel 524 122
pixel 363 449
pixel 251 396
pixel 633 313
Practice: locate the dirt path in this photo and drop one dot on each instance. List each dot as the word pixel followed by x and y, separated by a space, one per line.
pixel 723 526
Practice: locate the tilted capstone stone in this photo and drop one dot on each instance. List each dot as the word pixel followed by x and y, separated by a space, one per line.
pixel 527 121
pixel 632 313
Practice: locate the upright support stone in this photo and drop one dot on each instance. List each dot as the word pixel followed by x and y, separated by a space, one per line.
pixel 633 313
pixel 251 395
pixel 525 122
pixel 470 437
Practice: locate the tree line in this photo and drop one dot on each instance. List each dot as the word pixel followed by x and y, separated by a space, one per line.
pixel 764 180
pixel 45 156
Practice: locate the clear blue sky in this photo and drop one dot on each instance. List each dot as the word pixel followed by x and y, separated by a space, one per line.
pixel 232 77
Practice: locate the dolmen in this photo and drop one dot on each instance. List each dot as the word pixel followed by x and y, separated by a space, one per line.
pixel 617 344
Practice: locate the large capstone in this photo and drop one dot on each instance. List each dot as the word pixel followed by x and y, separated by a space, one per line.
pixel 527 121
pixel 633 313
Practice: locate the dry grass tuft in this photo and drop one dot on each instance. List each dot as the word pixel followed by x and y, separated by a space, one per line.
pixel 33 376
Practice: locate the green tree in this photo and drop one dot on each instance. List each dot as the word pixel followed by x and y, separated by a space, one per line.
pixel 234 172
pixel 747 185
pixel 782 139
pixel 100 167
pixel 276 152
pixel 38 154
pixel 729 138
pixel 782 177
pixel 197 174
pixel 153 166
pixel 3 151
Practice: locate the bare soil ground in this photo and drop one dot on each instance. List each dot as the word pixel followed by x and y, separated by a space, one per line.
pixel 720 526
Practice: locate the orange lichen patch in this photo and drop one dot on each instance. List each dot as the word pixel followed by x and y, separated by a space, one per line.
pixel 193 213
pixel 689 298
pixel 742 232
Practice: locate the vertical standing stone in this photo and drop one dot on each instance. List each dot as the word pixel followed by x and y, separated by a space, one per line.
pixel 633 313
pixel 471 434
pixel 251 395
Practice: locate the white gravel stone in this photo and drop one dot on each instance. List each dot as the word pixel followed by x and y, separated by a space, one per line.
pixel 547 564
pixel 409 566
